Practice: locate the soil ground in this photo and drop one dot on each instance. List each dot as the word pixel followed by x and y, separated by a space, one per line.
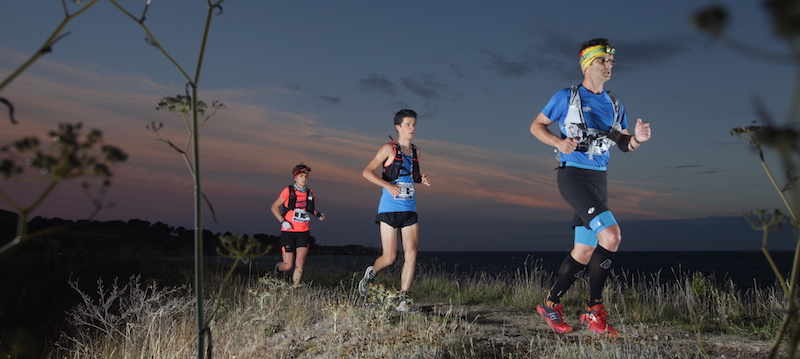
pixel 521 333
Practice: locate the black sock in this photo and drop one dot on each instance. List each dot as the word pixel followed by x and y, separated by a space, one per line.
pixel 599 268
pixel 570 271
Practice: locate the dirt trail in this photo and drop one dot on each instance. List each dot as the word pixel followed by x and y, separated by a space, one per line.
pixel 528 333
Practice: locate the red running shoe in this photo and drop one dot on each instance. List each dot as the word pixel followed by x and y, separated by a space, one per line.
pixel 596 318
pixel 554 315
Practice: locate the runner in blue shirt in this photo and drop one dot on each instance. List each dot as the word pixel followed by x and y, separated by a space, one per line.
pixel 591 120
pixel 397 210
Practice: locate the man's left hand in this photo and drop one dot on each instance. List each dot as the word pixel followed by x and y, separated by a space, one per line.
pixel 642 131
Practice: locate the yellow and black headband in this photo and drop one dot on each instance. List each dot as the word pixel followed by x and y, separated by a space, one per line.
pixel 590 53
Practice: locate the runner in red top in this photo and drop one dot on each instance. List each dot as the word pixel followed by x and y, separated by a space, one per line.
pixel 293 209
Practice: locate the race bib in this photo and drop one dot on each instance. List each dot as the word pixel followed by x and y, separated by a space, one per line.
pixel 300 215
pixel 406 191
pixel 599 147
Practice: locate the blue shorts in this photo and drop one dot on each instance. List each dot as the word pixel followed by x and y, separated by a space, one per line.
pixel 397 219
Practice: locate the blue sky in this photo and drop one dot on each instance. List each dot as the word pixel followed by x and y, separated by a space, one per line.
pixel 319 82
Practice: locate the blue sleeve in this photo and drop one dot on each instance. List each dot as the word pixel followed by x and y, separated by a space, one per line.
pixel 624 122
pixel 556 108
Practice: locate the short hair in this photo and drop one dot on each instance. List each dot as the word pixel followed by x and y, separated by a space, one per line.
pixel 400 115
pixel 595 42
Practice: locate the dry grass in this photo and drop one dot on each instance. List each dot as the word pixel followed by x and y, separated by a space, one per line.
pixel 264 318
pixel 477 316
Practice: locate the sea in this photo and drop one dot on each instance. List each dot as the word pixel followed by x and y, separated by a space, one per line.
pixel 746 269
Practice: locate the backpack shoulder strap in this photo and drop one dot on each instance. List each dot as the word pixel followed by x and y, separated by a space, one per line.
pixel 575 99
pixel 574 90
pixel 615 102
pixel 574 112
pixel 291 202
pixel 292 198
pixel 415 173
pixel 396 148
pixel 310 207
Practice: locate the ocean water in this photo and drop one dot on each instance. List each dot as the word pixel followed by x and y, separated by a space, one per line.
pixel 745 269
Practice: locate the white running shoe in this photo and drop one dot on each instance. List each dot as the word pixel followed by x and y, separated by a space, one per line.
pixel 405 305
pixel 363 285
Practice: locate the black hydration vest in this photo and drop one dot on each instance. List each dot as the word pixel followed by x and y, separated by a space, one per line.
pixel 292 203
pixel 396 169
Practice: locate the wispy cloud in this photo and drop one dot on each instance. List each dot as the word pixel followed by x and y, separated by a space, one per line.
pixel 426 87
pixel 710 172
pixel 456 69
pixel 698 169
pixel 527 64
pixel 557 54
pixel 377 83
pixel 519 67
pixel 642 53
pixel 324 99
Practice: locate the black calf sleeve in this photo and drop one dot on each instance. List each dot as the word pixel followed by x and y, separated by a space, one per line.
pixel 599 267
pixel 570 271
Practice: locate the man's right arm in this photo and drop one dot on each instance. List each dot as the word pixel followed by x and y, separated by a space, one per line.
pixel 542 133
pixel 369 172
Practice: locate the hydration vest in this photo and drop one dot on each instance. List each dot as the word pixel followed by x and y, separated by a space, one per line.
pixel 590 140
pixel 292 203
pixel 396 169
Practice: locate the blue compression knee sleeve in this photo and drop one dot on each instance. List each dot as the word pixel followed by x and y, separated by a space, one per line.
pixel 602 221
pixel 585 236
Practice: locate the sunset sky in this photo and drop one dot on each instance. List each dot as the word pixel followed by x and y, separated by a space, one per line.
pixel 319 82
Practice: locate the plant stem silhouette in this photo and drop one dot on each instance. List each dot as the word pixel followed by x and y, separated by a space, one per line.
pixel 783 140
pixel 192 83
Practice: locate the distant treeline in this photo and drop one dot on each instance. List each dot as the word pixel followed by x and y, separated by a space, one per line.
pixel 65 234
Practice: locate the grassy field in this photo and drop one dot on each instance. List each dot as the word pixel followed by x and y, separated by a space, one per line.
pixel 134 304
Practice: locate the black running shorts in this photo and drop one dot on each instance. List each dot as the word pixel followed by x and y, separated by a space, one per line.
pixel 585 191
pixel 292 240
pixel 397 219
